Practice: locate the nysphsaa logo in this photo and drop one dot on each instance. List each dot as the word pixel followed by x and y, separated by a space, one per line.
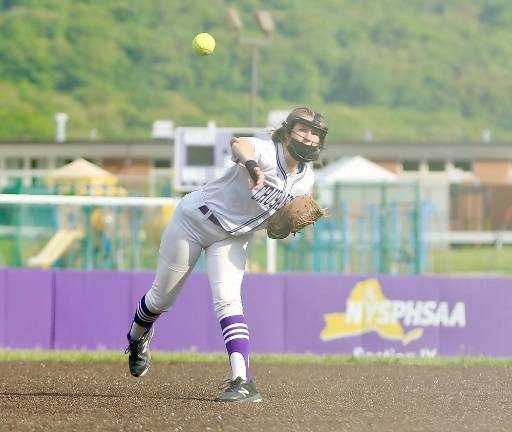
pixel 367 310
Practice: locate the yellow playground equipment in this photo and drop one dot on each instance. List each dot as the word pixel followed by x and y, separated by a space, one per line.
pixel 82 177
pixel 79 177
pixel 61 241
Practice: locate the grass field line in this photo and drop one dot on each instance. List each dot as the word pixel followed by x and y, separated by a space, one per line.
pixel 195 357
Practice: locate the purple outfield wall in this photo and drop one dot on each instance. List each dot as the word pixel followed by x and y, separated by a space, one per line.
pixel 299 313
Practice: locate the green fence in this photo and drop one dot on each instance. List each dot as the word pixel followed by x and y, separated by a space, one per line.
pixel 81 232
pixel 371 229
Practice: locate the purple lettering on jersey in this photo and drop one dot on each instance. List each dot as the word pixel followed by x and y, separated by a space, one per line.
pixel 268 196
pixel 271 197
pixel 262 193
pixel 279 200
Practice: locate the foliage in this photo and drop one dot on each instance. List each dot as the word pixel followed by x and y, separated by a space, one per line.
pixel 404 69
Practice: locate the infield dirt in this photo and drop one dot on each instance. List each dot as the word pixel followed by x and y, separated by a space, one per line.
pixel 179 397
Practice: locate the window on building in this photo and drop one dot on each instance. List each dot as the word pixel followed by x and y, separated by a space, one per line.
pixel 411 165
pixel 14 163
pixel 436 165
pixel 464 165
pixel 39 163
pixel 161 163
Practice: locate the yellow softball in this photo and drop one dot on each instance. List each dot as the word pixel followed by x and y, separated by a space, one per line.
pixel 203 44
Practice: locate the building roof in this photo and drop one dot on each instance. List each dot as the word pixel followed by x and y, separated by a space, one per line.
pixel 374 150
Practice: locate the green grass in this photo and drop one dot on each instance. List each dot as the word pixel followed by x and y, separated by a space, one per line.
pixel 194 357
pixel 476 259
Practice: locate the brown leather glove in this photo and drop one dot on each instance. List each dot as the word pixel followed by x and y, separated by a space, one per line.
pixel 300 212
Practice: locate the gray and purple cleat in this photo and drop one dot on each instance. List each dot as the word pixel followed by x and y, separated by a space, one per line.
pixel 240 390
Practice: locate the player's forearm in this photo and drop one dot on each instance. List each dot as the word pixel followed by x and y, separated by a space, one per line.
pixel 243 152
pixel 242 149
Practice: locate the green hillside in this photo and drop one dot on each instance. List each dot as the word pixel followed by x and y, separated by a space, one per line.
pixel 404 69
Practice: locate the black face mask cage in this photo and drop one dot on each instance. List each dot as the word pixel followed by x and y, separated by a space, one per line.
pixel 315 124
pixel 302 152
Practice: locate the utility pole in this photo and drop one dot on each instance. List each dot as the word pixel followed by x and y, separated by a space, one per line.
pixel 266 25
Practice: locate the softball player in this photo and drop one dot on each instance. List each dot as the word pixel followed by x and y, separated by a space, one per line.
pixel 221 218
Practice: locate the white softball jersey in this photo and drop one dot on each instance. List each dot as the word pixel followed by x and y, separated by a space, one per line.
pixel 240 209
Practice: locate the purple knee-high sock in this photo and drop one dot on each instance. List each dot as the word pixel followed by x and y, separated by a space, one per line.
pixel 142 321
pixel 236 338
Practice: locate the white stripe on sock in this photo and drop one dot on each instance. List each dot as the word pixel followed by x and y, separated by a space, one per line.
pixel 239 325
pixel 236 337
pixel 144 316
pixel 241 331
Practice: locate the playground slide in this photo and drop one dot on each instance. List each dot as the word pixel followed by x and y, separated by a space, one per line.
pixel 55 248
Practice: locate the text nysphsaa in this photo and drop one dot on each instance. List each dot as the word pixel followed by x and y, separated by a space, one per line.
pixel 368 310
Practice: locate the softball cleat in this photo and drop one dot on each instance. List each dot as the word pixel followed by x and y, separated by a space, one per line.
pixel 239 390
pixel 139 358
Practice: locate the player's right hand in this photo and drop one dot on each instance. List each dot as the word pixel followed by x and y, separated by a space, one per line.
pixel 259 179
pixel 255 173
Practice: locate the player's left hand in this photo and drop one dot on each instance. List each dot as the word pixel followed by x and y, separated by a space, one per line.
pixel 299 213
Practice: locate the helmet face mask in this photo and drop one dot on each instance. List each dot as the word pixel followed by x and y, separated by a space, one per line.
pixel 300 151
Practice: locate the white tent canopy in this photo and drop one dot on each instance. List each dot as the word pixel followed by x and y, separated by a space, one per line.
pixel 354 169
